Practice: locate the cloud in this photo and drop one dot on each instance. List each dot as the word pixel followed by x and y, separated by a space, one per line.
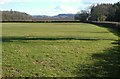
pixel 61 9
pixel 100 1
pixel 61 1
pixel 67 9
pixel 51 7
pixel 64 1
pixel 4 1
pixel 9 1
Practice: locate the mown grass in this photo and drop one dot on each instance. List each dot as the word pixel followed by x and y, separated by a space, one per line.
pixel 58 50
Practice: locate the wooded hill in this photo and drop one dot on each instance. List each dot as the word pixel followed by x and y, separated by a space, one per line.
pixel 59 17
pixel 15 16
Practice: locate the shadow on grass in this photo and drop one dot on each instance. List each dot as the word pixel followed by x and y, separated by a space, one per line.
pixel 12 39
pixel 107 64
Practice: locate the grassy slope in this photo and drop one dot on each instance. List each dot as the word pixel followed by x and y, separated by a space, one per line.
pixel 58 49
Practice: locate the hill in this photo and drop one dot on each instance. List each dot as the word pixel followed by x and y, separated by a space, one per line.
pixel 15 16
pixel 63 17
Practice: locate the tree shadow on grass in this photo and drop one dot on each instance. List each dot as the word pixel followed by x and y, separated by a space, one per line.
pixel 12 39
pixel 107 63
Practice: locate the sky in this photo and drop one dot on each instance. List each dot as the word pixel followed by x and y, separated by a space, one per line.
pixel 49 7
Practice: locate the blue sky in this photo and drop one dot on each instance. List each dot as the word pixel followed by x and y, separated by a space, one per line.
pixel 49 7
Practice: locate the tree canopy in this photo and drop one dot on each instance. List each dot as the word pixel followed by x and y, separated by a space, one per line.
pixel 101 12
pixel 15 16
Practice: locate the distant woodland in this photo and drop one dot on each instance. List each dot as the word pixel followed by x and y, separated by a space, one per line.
pixel 15 16
pixel 99 12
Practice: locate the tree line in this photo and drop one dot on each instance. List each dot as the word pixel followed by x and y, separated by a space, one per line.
pixel 15 16
pixel 100 12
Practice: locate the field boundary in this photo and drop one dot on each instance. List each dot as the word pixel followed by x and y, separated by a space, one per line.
pixel 47 21
pixel 113 25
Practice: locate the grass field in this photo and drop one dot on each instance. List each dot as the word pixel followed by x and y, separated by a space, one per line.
pixel 59 50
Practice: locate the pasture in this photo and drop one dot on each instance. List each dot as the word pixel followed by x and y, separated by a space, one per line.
pixel 59 50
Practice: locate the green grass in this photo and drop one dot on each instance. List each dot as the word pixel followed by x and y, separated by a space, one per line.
pixel 58 50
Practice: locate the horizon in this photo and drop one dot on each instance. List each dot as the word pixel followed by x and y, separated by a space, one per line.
pixel 40 15
pixel 49 7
